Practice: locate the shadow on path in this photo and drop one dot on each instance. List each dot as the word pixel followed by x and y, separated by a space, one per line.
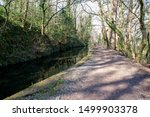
pixel 107 75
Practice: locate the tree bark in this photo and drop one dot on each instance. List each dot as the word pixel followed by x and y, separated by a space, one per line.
pixel 143 31
pixel 25 13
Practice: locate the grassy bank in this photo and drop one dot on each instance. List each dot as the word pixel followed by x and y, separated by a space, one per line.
pixel 19 44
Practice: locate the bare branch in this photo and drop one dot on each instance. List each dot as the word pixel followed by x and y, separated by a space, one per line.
pixel 130 10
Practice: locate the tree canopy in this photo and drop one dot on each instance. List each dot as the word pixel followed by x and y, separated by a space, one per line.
pixel 124 24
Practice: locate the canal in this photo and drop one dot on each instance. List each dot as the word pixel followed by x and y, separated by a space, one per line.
pixel 15 78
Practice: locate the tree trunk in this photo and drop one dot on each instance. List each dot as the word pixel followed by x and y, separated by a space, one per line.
pixel 104 31
pixel 25 13
pixel 43 17
pixel 143 31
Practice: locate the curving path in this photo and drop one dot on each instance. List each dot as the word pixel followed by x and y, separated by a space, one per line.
pixel 106 75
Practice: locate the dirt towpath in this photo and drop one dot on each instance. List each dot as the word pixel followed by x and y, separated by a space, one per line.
pixel 106 75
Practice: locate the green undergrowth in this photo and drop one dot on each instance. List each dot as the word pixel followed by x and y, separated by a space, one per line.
pixel 19 44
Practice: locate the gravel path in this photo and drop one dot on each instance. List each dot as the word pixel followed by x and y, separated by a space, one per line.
pixel 106 75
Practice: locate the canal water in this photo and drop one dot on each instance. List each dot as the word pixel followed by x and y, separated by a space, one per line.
pixel 17 77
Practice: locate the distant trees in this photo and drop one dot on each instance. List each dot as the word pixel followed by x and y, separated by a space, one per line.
pixel 85 28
